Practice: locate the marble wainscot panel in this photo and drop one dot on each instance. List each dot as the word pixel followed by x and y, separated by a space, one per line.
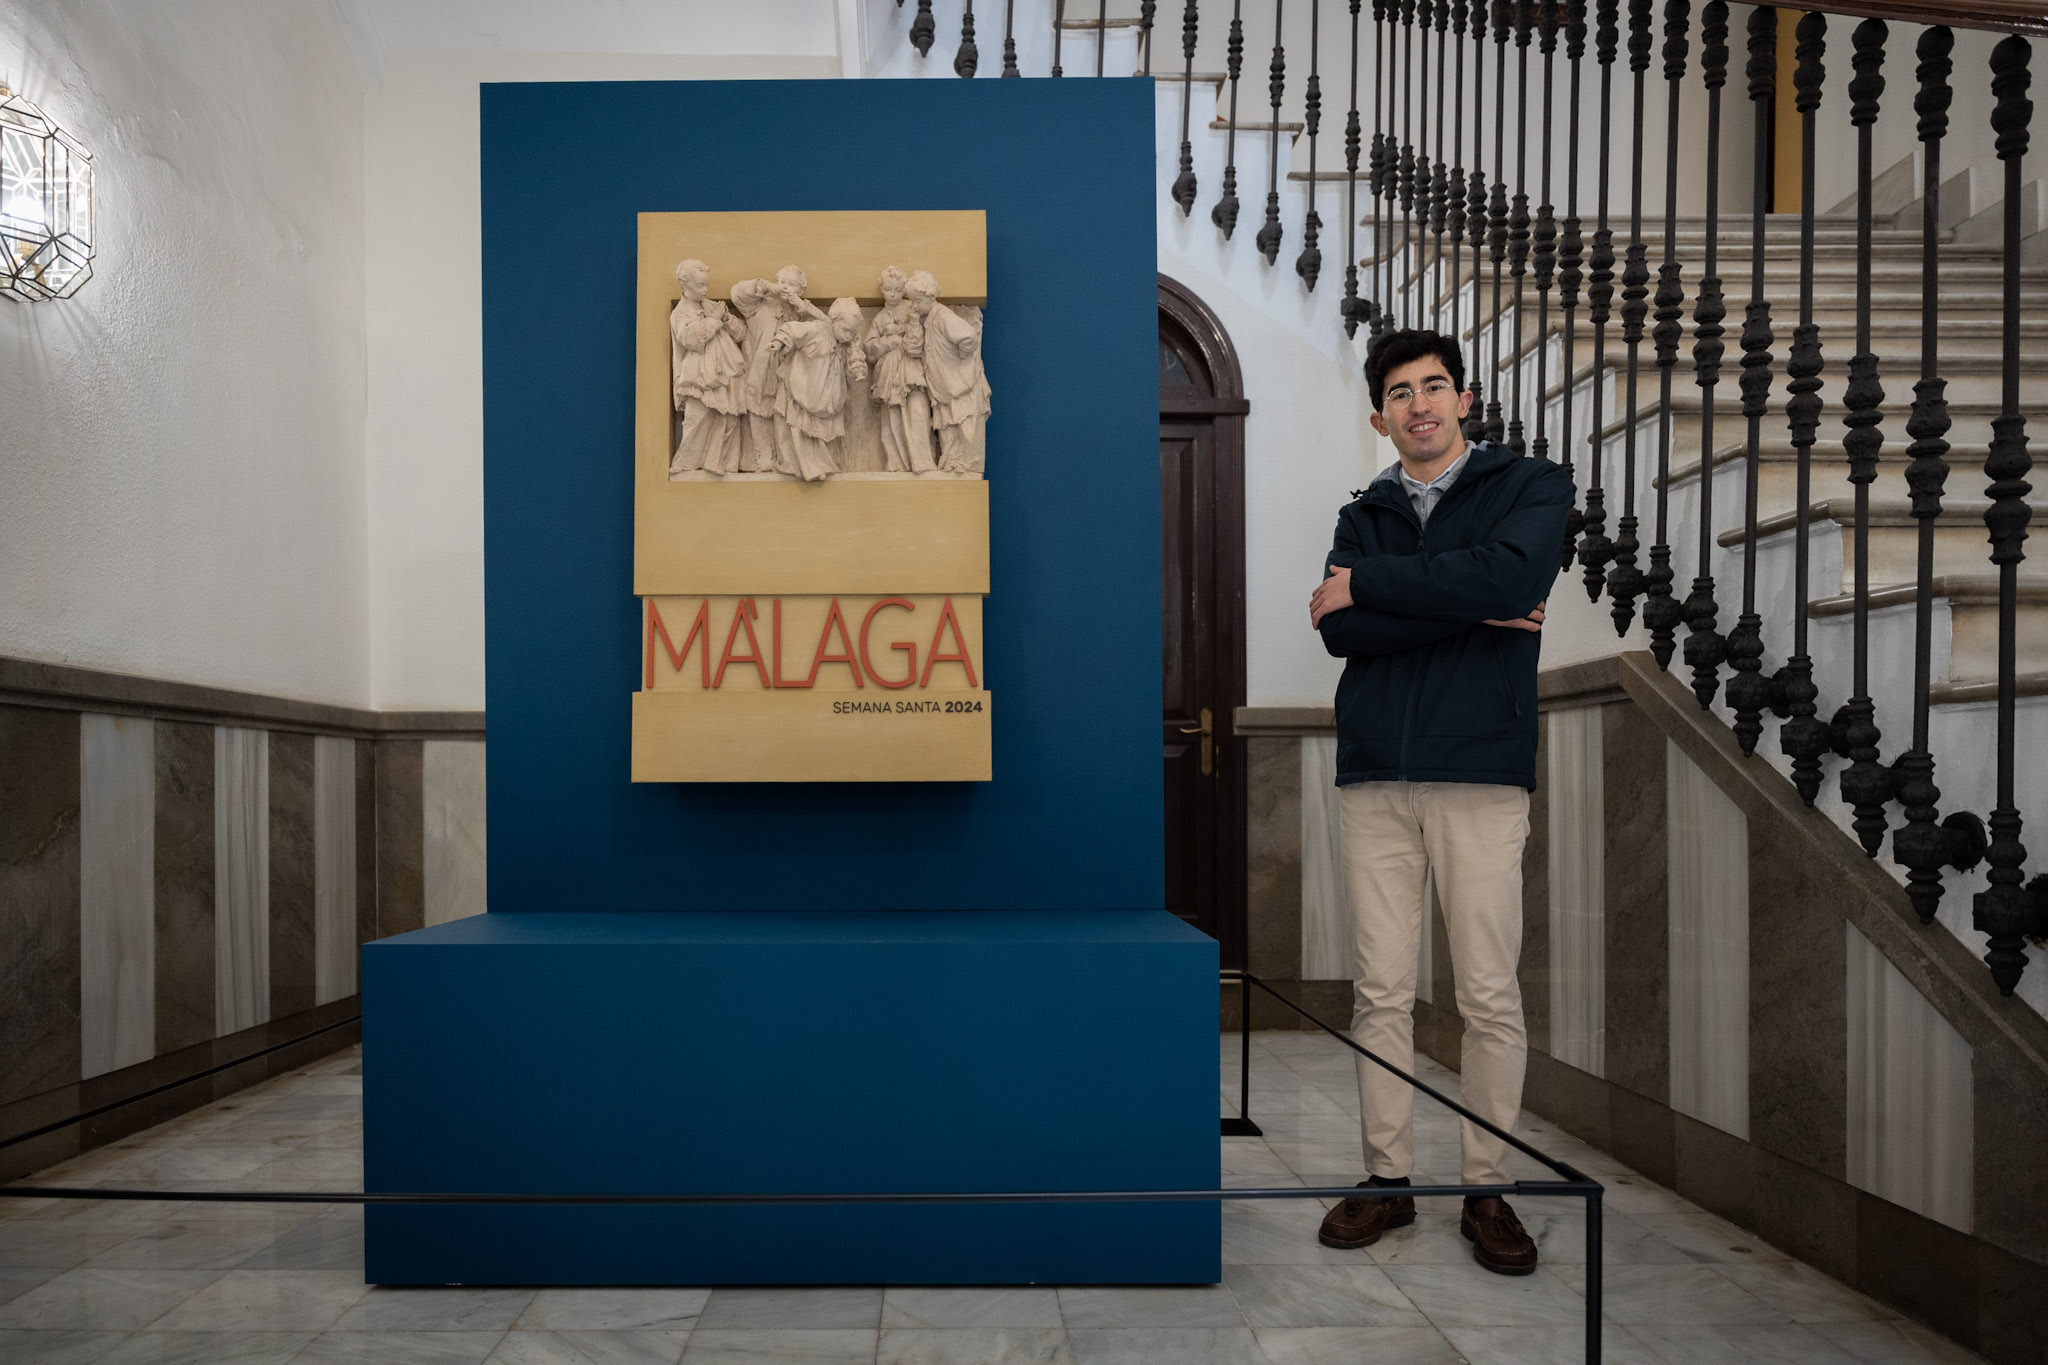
pixel 366 839
pixel 1326 952
pixel 39 870
pixel 452 829
pixel 241 859
pixel 1273 857
pixel 116 892
pixel 401 892
pixel 1577 883
pixel 292 859
pixel 1910 1110
pixel 1709 948
pixel 183 860
pixel 334 868
pixel 1635 902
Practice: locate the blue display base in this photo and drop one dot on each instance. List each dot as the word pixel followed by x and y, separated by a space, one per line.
pixel 769 1052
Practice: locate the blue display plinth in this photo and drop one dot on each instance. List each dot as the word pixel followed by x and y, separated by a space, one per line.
pixel 765 1052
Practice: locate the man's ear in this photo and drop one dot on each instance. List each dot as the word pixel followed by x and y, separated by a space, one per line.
pixel 1464 402
pixel 1379 423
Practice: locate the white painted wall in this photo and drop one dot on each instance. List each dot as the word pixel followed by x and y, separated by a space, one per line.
pixel 181 444
pixel 424 436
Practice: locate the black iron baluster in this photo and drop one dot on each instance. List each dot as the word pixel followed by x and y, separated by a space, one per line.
pixel 1802 738
pixel 1545 247
pixel 1497 202
pixel 1309 264
pixel 1059 19
pixel 1184 183
pixel 2004 909
pixel 1475 222
pixel 1518 229
pixel 969 56
pixel 1749 692
pixel 1661 613
pixel 1376 177
pixel 1101 33
pixel 1866 785
pixel 1224 215
pixel 1439 184
pixel 924 30
pixel 1403 186
pixel 1596 551
pixel 1352 308
pixel 1010 52
pixel 1569 277
pixel 1705 650
pixel 1454 183
pixel 1268 239
pixel 1625 580
pixel 1145 12
pixel 1922 846
pixel 1425 14
pixel 1387 312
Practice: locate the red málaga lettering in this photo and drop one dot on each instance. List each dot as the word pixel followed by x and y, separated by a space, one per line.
pixel 868 662
pixel 820 658
pixel 700 626
pixel 742 619
pixel 932 656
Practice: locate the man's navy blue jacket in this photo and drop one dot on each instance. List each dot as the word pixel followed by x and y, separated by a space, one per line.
pixel 1429 694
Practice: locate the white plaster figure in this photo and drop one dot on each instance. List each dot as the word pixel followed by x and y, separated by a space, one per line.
pixel 766 305
pixel 895 350
pixel 953 377
pixel 810 408
pixel 705 365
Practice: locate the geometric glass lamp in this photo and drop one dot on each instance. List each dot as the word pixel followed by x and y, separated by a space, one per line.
pixel 45 205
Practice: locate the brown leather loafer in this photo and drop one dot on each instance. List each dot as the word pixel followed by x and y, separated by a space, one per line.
pixel 1358 1223
pixel 1499 1241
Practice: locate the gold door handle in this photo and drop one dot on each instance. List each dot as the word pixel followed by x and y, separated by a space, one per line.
pixel 1207 730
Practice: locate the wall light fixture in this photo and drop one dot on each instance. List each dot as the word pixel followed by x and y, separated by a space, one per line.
pixel 46 226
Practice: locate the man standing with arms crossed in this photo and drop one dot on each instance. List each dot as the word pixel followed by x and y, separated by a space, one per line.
pixel 1434 599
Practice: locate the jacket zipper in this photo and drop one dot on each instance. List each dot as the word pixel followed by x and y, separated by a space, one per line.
pixel 1415 680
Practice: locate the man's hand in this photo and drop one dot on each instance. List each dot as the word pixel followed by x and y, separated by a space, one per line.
pixel 1533 621
pixel 1332 594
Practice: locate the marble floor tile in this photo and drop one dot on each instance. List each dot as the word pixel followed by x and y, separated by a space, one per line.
pixel 814 1346
pixel 1098 1306
pixel 974 1346
pixel 1633 1194
pixel 1546 1346
pixel 104 1300
pixel 1804 1294
pixel 613 1310
pixel 1354 1345
pixel 1892 1343
pixel 61 1244
pixel 843 1307
pixel 190 1246
pixel 399 1348
pixel 1467 1296
pixel 56 1348
pixel 1250 1156
pixel 912 1306
pixel 1703 1237
pixel 310 1169
pixel 1694 1344
pixel 589 1348
pixel 182 1163
pixel 316 1244
pixel 1276 1234
pixel 1680 1294
pixel 268 1300
pixel 1319 1296
pixel 208 1348
pixel 1558 1227
pixel 18 1280
pixel 449 1309
pixel 1166 1346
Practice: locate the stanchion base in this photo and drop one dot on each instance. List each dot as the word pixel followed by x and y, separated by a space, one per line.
pixel 1242 1128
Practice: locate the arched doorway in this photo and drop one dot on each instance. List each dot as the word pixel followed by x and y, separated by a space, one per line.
pixel 1201 519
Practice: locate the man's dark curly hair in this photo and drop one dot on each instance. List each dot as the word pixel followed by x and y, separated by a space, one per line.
pixel 1395 349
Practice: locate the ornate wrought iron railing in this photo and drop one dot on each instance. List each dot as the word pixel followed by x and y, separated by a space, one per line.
pixel 1455 244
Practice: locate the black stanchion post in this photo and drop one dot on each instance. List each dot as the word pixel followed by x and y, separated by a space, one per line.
pixel 1593 1306
pixel 1242 1125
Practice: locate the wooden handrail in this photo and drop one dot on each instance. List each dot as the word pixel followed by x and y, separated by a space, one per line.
pixel 2002 16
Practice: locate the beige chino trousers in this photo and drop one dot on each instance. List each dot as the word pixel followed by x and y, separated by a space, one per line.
pixel 1470 836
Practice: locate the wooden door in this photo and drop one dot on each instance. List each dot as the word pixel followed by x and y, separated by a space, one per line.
pixel 1201 520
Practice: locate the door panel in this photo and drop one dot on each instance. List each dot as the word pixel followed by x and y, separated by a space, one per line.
pixel 1187 520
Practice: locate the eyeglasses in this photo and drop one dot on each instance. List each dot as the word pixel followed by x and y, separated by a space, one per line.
pixel 1402 395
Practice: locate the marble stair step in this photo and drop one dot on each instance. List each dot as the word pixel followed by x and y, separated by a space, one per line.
pixel 1972 603
pixel 1975 375
pixel 1960 546
pixel 1969 424
pixel 1778 470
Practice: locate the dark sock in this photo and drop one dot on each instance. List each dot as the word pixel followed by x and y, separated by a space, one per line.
pixel 1398 1182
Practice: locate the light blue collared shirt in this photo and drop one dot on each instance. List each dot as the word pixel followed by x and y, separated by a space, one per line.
pixel 1425 496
